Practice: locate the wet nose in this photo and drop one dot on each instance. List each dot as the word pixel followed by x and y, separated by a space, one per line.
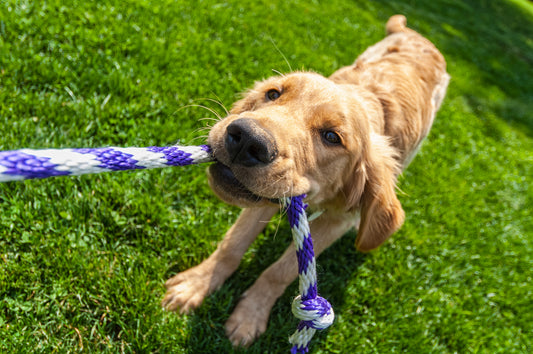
pixel 248 144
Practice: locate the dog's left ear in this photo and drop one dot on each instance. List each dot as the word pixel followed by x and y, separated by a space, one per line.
pixel 381 211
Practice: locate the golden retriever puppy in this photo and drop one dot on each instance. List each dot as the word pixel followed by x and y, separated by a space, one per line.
pixel 341 140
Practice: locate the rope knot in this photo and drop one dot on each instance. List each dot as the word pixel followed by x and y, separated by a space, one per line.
pixel 317 313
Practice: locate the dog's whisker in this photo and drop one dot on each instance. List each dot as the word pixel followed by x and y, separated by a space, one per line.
pixel 217 115
pixel 204 107
pixel 281 53
pixel 209 118
pixel 218 102
pixel 202 129
pixel 202 137
pixel 280 216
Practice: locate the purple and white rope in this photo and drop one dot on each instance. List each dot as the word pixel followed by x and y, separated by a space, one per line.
pixel 314 311
pixel 28 163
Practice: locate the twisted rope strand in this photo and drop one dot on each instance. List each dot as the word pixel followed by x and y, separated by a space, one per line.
pixel 28 163
pixel 314 311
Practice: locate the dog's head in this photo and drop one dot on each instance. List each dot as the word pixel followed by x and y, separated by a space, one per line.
pixel 304 134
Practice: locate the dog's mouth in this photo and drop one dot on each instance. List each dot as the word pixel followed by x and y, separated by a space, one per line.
pixel 225 183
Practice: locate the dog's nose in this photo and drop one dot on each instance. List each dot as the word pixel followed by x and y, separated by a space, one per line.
pixel 248 144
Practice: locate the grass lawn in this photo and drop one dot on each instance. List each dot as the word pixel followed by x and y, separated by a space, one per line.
pixel 83 259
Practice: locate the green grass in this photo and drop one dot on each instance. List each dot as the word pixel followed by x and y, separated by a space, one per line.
pixel 83 259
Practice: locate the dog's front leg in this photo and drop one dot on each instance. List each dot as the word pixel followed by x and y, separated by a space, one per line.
pixel 187 290
pixel 249 319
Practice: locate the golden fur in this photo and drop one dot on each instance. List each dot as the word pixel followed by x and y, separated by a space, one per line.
pixel 341 140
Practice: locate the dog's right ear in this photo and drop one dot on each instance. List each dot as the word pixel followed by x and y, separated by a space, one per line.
pixel 381 211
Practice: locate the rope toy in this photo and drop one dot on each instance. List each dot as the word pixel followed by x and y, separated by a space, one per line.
pixel 28 163
pixel 314 311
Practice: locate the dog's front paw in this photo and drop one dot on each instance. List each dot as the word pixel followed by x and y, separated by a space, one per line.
pixel 247 322
pixel 187 290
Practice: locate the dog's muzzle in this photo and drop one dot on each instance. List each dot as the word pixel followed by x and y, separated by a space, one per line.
pixel 247 147
pixel 248 144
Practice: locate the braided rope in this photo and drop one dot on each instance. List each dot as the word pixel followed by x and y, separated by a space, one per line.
pixel 28 163
pixel 314 311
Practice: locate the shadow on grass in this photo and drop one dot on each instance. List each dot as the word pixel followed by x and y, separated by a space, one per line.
pixel 498 65
pixel 335 267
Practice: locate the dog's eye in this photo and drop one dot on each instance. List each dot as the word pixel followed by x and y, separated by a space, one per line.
pixel 331 137
pixel 272 95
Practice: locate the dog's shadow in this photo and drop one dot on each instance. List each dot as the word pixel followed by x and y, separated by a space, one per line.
pixel 335 267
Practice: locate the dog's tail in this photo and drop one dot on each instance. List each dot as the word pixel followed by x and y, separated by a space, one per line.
pixel 397 23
